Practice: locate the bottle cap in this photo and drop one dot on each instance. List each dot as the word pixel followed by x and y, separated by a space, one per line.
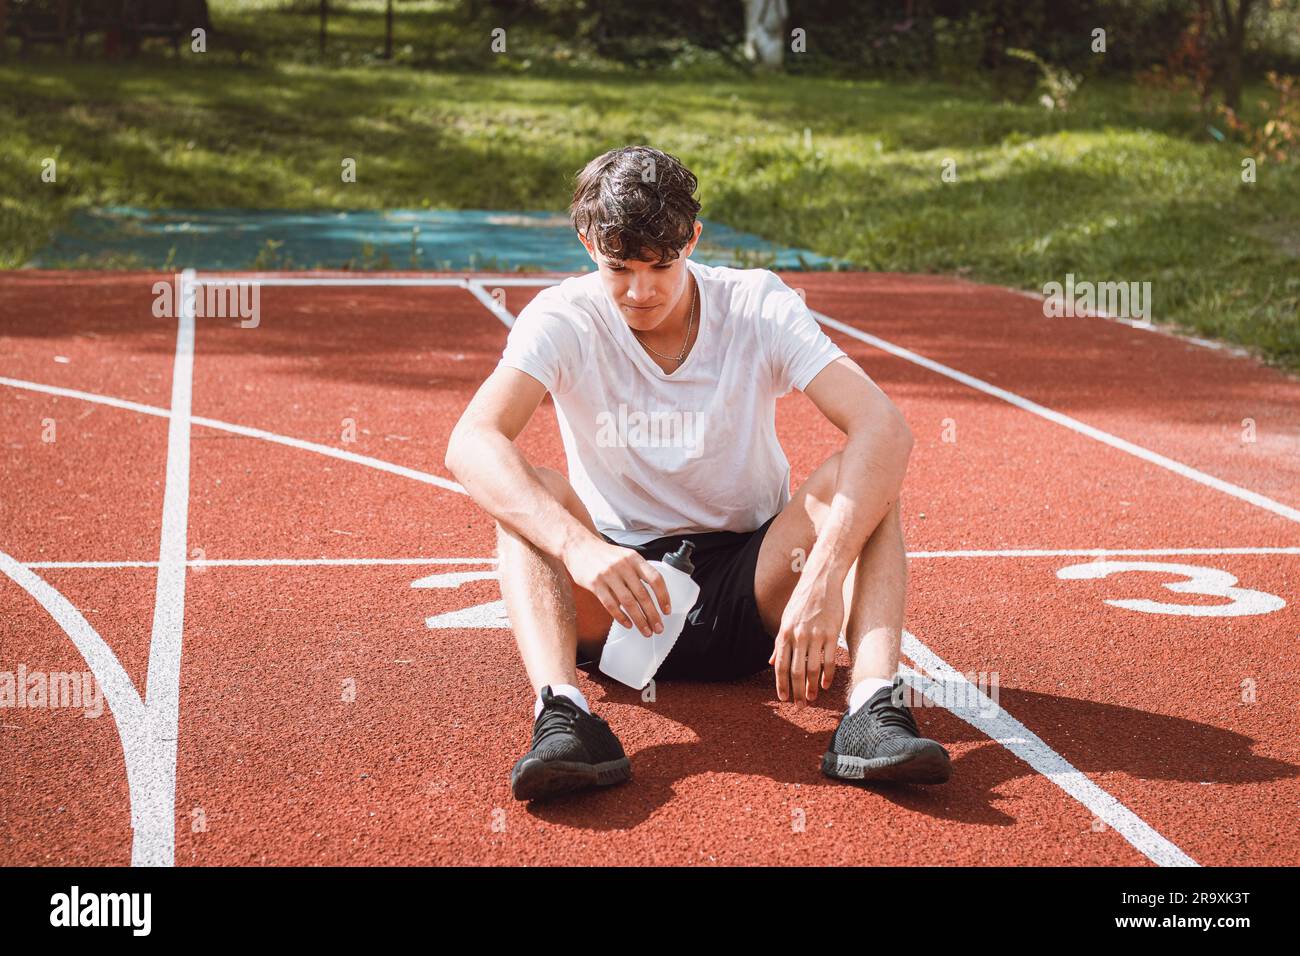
pixel 681 558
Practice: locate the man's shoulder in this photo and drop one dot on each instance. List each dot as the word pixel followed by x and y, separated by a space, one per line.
pixel 575 299
pixel 744 285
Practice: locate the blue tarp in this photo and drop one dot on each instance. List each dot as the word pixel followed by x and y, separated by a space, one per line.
pixel 397 239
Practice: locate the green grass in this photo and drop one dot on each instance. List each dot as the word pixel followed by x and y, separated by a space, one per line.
pixel 1117 189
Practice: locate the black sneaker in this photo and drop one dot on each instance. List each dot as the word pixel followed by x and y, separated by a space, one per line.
pixel 572 750
pixel 880 741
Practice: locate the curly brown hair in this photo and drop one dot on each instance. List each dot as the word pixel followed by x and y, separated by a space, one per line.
pixel 633 201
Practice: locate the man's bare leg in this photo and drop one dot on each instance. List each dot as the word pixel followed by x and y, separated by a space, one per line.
pixel 547 610
pixel 552 619
pixel 540 609
pixel 874 591
pixel 878 585
pixel 875 598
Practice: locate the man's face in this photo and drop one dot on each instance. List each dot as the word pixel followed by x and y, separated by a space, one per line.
pixel 645 291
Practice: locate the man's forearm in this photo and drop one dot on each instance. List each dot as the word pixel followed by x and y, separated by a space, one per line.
pixel 871 471
pixel 502 483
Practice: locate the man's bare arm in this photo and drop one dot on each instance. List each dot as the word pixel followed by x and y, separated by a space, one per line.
pixel 872 468
pixel 481 454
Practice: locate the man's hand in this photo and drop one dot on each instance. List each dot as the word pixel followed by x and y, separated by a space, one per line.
pixel 615 575
pixel 805 646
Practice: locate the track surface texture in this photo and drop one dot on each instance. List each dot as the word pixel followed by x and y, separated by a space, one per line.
pixel 247 535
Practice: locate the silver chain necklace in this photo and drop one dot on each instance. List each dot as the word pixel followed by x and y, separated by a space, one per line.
pixel 689 328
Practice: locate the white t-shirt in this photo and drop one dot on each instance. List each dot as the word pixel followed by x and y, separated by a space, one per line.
pixel 653 453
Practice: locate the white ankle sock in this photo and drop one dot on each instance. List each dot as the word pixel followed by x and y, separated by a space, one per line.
pixel 569 691
pixel 864 689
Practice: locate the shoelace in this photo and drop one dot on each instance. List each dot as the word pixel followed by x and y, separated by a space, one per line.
pixel 560 716
pixel 889 714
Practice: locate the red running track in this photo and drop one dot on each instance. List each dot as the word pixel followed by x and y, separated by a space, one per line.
pixel 320 719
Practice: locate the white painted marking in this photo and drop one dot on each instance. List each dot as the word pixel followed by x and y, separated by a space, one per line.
pixel 90 565
pixel 500 311
pixel 453 579
pixel 1096 552
pixel 364 562
pixel 327 450
pixel 974 707
pixel 123 699
pixel 489 615
pixel 85 396
pixel 379 282
pixel 154 818
pixel 1208 581
pixel 521 281
pixel 341 281
pixel 475 286
pixel 1114 441
pixel 146 729
pixel 375 463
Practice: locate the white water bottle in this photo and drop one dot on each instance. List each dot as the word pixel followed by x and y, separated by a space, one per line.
pixel 632 658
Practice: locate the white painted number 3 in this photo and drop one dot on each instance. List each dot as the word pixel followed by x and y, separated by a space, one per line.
pixel 1207 581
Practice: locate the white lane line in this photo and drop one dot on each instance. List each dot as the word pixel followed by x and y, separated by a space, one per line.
pixel 966 701
pixel 154 819
pixel 123 699
pixel 364 562
pixel 362 281
pixel 365 460
pixel 521 281
pixel 1106 438
pixel 84 396
pixel 375 463
pixel 1096 552
pixel 330 562
pixel 496 308
pixel 343 281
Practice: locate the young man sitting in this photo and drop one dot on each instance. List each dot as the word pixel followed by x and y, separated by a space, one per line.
pixel 651 333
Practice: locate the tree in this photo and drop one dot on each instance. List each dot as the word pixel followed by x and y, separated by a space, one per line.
pixel 1228 42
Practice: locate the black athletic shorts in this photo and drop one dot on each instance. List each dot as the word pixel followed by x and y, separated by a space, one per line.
pixel 723 637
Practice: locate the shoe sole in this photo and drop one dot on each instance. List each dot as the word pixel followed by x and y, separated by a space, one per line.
pixel 930 765
pixel 535 779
